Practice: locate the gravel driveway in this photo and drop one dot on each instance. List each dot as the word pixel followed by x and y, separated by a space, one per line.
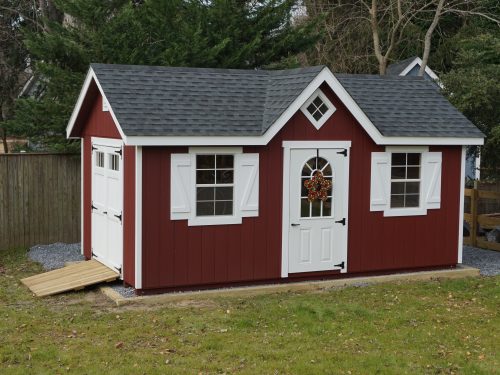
pixel 488 261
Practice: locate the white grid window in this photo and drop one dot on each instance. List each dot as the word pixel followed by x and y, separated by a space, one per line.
pixel 214 185
pixel 405 180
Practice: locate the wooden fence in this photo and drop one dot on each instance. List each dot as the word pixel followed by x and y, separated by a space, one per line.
pixel 39 199
pixel 477 219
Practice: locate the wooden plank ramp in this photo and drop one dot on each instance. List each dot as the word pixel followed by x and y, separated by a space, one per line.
pixel 73 277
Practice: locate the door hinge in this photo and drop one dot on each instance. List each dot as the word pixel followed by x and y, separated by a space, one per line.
pixel 343 152
pixel 118 216
pixel 341 265
pixel 92 207
pixel 119 152
pixel 93 147
pixel 341 221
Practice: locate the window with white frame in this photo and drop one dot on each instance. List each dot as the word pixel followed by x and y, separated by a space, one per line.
pixel 99 159
pixel 405 180
pixel 318 108
pixel 214 185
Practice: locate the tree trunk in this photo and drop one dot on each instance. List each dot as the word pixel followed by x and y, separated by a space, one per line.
pixel 428 37
pixel 382 61
pixel 3 135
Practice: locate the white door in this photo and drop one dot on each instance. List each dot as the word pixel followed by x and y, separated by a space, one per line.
pixel 318 226
pixel 107 203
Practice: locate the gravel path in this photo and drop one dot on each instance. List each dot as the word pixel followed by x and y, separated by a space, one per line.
pixel 55 255
pixel 487 261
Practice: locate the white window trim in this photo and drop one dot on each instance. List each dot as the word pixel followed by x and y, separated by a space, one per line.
pixel 194 220
pixel 407 211
pixel 331 108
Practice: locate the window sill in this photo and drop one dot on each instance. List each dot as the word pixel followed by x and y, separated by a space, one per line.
pixel 214 220
pixel 414 211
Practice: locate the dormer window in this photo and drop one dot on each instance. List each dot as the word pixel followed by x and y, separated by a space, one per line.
pixel 318 108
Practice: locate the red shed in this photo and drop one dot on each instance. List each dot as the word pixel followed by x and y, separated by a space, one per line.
pixel 196 178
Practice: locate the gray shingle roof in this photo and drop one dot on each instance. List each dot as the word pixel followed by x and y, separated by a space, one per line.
pixel 162 101
pixel 398 67
pixel 407 106
pixel 166 101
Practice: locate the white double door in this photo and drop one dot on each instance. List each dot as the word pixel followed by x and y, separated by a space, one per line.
pixel 318 229
pixel 107 202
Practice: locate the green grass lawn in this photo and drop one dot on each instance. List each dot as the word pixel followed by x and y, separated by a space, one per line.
pixel 406 328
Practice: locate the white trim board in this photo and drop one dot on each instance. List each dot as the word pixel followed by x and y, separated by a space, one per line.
pixel 138 218
pixel 418 61
pixel 324 76
pixel 461 206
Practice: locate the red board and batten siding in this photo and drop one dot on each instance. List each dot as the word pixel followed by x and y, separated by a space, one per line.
pixel 101 124
pixel 176 255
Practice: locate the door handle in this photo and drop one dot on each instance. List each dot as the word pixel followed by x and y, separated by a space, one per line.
pixel 105 212
pixel 295 224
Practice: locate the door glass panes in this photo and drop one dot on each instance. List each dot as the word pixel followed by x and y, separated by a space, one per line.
pixel 318 207
pixel 114 162
pixel 99 159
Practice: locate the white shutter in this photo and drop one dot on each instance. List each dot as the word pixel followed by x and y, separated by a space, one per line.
pixel 180 186
pixel 247 184
pixel 380 181
pixel 431 179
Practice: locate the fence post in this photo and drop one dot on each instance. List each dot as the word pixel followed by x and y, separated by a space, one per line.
pixel 473 214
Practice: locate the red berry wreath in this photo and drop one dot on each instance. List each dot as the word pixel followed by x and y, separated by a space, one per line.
pixel 318 187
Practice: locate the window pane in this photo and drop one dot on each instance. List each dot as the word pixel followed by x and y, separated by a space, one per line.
pixel 412 187
pixel 99 159
pixel 317 115
pixel 397 188
pixel 323 108
pixel 316 208
pixel 303 190
pixel 397 201
pixel 224 208
pixel 225 161
pixel 311 108
pixel 398 172
pixel 413 159
pixel 304 207
pixel 205 161
pixel 205 194
pixel 225 176
pixel 398 159
pixel 321 163
pixel 327 171
pixel 205 177
pixel 327 207
pixel 306 171
pixel 412 200
pixel 204 208
pixel 114 162
pixel 223 193
pixel 318 101
pixel 413 172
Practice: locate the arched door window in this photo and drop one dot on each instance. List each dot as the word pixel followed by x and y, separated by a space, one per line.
pixel 316 207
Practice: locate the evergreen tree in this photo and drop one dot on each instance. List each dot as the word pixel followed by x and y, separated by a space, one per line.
pixel 217 33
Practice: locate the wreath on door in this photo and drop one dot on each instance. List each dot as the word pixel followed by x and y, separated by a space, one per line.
pixel 318 187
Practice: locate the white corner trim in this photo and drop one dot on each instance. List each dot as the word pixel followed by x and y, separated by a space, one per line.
pixel 461 206
pixel 105 105
pixel 418 61
pixel 326 115
pixel 138 217
pixel 83 92
pixel 82 202
pixel 410 211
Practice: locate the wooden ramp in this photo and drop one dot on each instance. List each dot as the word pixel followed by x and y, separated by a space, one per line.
pixel 73 277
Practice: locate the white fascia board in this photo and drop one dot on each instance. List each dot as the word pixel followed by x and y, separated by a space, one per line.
pixel 430 141
pixel 88 79
pixel 418 61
